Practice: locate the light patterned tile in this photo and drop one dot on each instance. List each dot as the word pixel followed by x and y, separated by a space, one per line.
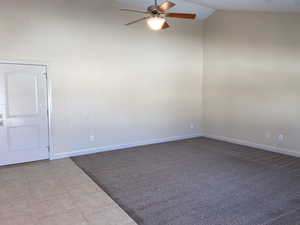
pixel 62 163
pixel 131 223
pixel 69 171
pixel 19 220
pixel 55 193
pixel 84 188
pixel 71 178
pixel 52 206
pixel 72 217
pixel 88 203
pixel 39 172
pixel 111 215
pixel 15 208
pixel 13 189
pixel 43 189
pixel 53 171
pixel 12 173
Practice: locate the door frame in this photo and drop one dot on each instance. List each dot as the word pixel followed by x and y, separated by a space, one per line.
pixel 49 96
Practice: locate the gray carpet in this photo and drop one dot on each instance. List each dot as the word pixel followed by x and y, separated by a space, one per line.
pixel 199 182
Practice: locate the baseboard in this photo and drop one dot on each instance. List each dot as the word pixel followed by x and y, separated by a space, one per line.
pixel 122 146
pixel 255 145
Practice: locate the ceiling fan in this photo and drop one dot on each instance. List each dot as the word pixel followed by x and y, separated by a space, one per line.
pixel 156 15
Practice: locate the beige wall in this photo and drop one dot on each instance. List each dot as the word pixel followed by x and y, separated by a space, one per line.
pixel 128 84
pixel 252 77
pixel 120 84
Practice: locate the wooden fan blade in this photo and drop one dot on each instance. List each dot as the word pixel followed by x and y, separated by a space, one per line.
pixel 181 15
pixel 165 26
pixel 136 21
pixel 135 11
pixel 166 5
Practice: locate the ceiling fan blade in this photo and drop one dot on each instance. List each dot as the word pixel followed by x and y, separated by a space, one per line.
pixel 136 21
pixel 166 5
pixel 165 26
pixel 181 15
pixel 135 11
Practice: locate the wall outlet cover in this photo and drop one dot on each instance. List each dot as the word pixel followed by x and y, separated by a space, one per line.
pixel 281 138
pixel 92 138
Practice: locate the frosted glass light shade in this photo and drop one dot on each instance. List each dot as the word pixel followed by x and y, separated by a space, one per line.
pixel 156 23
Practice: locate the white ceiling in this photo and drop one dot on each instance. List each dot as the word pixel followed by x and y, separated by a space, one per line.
pixel 252 5
pixel 204 8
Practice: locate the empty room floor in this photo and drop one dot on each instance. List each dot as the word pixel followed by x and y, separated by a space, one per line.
pixel 192 182
pixel 200 182
pixel 55 193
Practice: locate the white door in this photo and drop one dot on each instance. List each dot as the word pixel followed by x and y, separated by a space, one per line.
pixel 23 114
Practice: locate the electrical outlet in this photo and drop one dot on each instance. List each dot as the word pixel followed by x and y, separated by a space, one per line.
pixel 192 126
pixel 281 138
pixel 268 135
pixel 92 138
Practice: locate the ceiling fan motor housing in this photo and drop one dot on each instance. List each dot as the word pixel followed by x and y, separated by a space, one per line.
pixel 153 9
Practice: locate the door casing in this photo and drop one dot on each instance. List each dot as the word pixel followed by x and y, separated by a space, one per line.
pixel 49 96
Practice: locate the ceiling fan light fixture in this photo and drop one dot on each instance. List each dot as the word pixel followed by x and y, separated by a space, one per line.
pixel 156 22
pixel 156 15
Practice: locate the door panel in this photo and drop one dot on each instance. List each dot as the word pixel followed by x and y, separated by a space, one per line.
pixel 23 107
pixel 23 138
pixel 21 94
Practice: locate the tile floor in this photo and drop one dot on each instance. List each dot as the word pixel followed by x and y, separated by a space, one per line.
pixel 55 193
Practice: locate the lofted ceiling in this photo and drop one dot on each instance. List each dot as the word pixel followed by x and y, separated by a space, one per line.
pixel 204 8
pixel 252 5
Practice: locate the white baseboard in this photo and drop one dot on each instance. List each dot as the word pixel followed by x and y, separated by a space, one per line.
pixel 254 145
pixel 176 138
pixel 122 146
